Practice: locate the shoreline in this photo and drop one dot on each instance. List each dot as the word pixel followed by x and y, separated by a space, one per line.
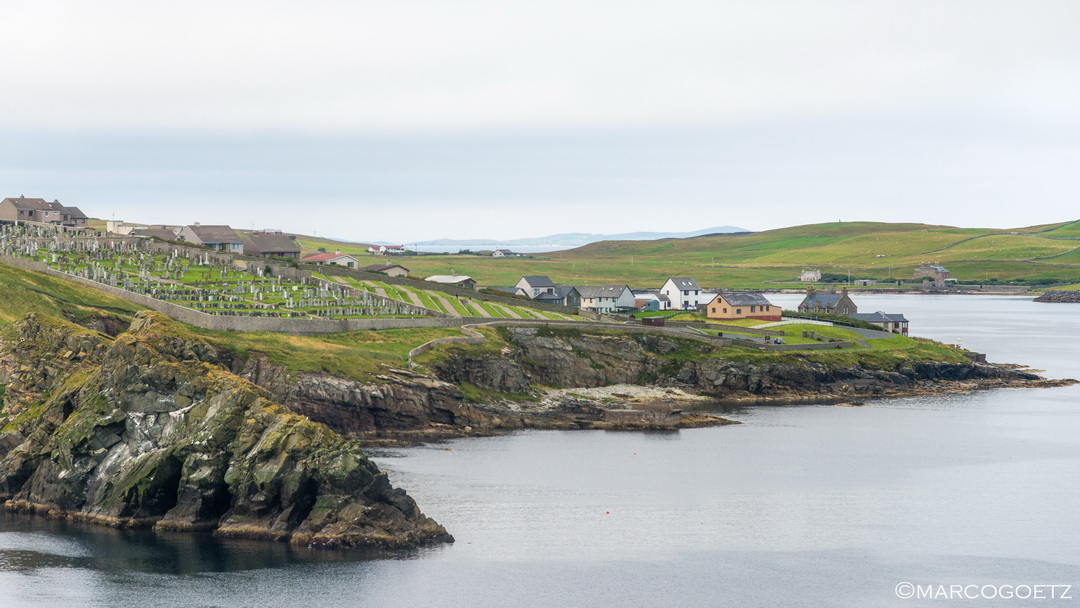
pixel 672 408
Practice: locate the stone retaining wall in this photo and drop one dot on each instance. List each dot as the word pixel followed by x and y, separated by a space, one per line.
pixel 732 328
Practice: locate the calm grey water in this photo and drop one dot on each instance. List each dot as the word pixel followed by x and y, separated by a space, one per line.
pixel 799 506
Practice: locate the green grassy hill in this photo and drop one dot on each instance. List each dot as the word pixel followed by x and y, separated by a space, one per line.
pixel 865 249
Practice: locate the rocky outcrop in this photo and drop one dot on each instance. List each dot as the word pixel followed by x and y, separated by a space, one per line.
pixel 148 429
pixel 400 400
pixel 573 359
pixel 1059 296
pixel 511 385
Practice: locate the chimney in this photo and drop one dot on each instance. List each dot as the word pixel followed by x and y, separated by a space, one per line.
pixel 337 252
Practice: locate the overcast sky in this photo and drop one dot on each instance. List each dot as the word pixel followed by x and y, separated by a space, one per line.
pixel 416 120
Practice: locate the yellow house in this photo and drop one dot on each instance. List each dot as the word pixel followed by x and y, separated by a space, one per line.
pixel 729 306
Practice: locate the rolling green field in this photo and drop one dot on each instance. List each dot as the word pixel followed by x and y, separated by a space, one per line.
pixel 760 260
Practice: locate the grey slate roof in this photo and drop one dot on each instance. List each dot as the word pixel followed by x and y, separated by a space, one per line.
pixel 745 299
pixel 602 291
pixel 538 281
pixel 76 213
pixel 879 317
pixel 385 267
pixel 564 290
pixel 158 233
pixel 823 300
pixel 513 290
pixel 215 234
pixel 685 283
pixel 258 244
pixel 28 203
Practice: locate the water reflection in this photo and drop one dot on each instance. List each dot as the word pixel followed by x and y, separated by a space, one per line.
pixel 28 544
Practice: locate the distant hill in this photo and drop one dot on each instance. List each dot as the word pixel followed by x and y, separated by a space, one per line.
pixel 571 239
pixel 774 258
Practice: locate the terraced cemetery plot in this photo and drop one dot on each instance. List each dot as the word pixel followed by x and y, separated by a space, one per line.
pixel 203 283
pixel 456 306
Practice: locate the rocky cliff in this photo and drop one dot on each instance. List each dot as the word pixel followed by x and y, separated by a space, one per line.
pixel 149 429
pixel 577 359
pixel 507 383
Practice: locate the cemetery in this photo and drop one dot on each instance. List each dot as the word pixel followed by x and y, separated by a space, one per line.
pixel 199 280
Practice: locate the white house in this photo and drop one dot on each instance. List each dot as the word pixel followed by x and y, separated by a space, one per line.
pixel 683 292
pixel 535 285
pixel 810 276
pixel 453 279
pixel 341 259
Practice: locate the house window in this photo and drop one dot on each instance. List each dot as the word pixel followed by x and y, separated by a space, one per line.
pixel 751 309
pixel 738 311
pixel 685 292
pixel 725 311
pixel 714 310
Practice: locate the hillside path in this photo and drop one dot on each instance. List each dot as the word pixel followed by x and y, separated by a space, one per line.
pixel 450 310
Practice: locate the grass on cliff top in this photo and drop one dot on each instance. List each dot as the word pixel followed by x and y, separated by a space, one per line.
pixel 356 355
pixel 23 292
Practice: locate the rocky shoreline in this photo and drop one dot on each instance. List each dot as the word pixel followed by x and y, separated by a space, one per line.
pixel 609 382
pixel 148 430
pixel 156 429
pixel 1069 297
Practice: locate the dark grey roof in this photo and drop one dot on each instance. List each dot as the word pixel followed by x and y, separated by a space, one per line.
pixel 385 267
pixel 215 234
pixel 75 213
pixel 158 233
pixel 257 244
pixel 745 299
pixel 879 317
pixel 823 300
pixel 564 290
pixel 685 283
pixel 538 281
pixel 661 297
pixel 602 291
pixel 547 296
pixel 513 290
pixel 28 203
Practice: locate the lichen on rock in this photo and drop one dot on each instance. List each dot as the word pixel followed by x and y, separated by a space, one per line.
pixel 148 429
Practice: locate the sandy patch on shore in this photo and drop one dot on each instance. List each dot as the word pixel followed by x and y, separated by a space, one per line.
pixel 627 392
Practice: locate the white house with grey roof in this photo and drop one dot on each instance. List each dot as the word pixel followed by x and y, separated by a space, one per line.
pixel 534 286
pixel 684 293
